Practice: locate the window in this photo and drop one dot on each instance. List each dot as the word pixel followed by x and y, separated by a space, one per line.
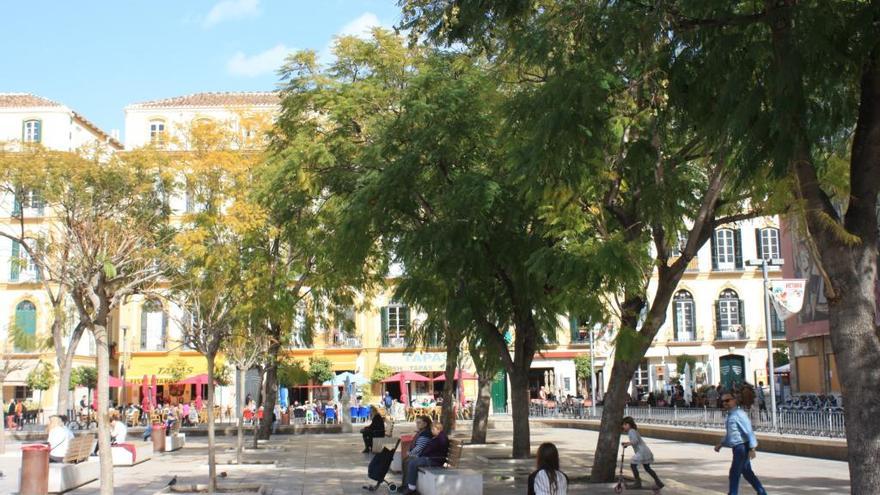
pixel 154 326
pixel 21 266
pixel 395 323
pixel 727 250
pixel 680 244
pixel 32 131
pixel 23 393
pixel 777 326
pixel 580 330
pixel 157 132
pixel 683 326
pixel 729 316
pixel 31 199
pixel 767 241
pixel 25 325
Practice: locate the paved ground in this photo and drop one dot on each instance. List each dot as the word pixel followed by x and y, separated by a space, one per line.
pixel 331 464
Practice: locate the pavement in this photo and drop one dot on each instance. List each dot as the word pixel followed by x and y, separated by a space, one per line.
pixel 332 464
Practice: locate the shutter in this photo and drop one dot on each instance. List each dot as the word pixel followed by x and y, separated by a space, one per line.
pixel 41 203
pixel 14 265
pixel 714 252
pixel 718 319
pixel 675 307
pixel 16 203
pixel 38 131
pixel 384 328
pixel 742 316
pixel 144 326
pixel 573 328
pixel 737 248
pixel 23 131
pixel 758 248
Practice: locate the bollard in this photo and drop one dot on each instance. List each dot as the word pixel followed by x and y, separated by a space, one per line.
pixel 34 470
pixel 285 418
pixel 158 437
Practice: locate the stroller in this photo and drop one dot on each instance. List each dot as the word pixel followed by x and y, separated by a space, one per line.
pixel 378 469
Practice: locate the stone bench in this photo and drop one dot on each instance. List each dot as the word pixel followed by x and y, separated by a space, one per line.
pixel 123 457
pixel 174 441
pixel 443 481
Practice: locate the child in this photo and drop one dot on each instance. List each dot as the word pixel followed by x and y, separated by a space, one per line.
pixel 642 454
pixel 547 479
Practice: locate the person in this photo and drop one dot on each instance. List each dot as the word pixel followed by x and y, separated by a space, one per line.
pixel 276 417
pixel 118 430
pixel 193 413
pixel 762 401
pixel 387 400
pixel 422 436
pixel 747 394
pixel 20 410
pixel 643 454
pixel 712 396
pixel 434 454
pixel 10 415
pixel 547 479
pixel 59 439
pixel 83 405
pixel 185 414
pixel 741 439
pixel 376 429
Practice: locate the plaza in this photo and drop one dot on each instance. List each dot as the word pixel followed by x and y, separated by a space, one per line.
pixel 332 464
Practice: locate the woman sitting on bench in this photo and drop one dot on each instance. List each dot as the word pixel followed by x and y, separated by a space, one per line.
pixel 434 454
pixel 59 439
pixel 376 429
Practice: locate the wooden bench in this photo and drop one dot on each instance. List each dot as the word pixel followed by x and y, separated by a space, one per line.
pixel 76 470
pixel 450 480
pixel 174 439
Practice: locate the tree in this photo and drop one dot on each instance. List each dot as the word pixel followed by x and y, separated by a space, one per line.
pixel 780 355
pixel 41 378
pixel 683 361
pixel 583 366
pixel 320 369
pixel 380 372
pixel 9 363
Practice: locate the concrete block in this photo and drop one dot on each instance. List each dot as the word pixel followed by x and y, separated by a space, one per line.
pixel 440 481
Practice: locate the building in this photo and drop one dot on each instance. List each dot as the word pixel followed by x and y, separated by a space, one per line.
pixel 30 119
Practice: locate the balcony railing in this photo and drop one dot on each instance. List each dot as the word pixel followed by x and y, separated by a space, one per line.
pixel 733 332
pixel 343 342
pixel 393 342
pixel 686 337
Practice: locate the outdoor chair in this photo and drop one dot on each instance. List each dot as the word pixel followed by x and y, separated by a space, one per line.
pixel 329 415
pixel 364 413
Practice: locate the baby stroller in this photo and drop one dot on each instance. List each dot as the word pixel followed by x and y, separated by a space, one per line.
pixel 378 469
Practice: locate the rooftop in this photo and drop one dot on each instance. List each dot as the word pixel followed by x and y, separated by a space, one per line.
pixel 222 99
pixel 25 100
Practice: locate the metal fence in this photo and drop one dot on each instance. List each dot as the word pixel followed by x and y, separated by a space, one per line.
pixel 828 424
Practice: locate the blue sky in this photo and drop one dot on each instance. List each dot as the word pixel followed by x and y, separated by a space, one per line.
pixel 98 57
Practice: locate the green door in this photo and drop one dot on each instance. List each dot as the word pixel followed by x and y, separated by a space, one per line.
pixel 499 393
pixel 733 370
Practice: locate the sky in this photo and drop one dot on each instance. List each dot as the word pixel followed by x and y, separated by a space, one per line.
pixel 96 57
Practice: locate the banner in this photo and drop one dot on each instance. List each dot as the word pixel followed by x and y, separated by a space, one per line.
pixel 787 296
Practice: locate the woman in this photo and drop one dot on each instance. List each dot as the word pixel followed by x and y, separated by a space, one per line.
pixel 59 439
pixel 547 479
pixel 434 454
pixel 118 429
pixel 376 429
pixel 643 454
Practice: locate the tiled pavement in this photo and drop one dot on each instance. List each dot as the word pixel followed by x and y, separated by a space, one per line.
pixel 331 464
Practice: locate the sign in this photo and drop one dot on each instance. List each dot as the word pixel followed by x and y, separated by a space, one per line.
pixel 787 296
pixel 420 361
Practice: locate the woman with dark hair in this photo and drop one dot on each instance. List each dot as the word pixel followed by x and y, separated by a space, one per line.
pixel 376 429
pixel 643 454
pixel 548 479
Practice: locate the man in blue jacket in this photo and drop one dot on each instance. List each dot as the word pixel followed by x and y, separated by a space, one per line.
pixel 741 438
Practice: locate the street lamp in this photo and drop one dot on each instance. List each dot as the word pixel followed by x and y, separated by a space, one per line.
pixel 592 373
pixel 768 326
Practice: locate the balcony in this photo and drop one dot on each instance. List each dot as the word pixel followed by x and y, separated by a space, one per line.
pixel 393 341
pixel 732 332
pixel 685 337
pixel 345 342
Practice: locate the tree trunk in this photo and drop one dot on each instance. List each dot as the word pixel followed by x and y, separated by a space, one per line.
pixel 2 420
pixel 605 461
pixel 481 410
pixel 212 453
pixel 271 387
pixel 448 409
pixel 104 453
pixel 519 406
pixel 258 400
pixel 64 360
pixel 240 396
pixel 64 386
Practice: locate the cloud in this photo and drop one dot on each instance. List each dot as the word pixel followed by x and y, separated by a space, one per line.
pixel 230 10
pixel 256 65
pixel 361 26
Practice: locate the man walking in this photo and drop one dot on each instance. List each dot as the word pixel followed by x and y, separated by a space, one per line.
pixel 741 438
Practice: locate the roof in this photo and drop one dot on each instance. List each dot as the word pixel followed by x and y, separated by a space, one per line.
pixel 225 99
pixel 25 100
pixel 97 130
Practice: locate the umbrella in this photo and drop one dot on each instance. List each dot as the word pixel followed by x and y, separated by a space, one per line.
pixel 356 378
pixel 153 398
pixel 409 376
pixel 461 390
pixel 116 382
pixel 709 378
pixel 687 383
pixel 201 379
pixel 459 375
pixel 145 403
pixel 95 399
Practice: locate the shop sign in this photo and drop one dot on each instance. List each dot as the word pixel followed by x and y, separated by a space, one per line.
pixel 419 361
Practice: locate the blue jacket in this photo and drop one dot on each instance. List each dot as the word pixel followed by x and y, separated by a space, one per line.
pixel 739 430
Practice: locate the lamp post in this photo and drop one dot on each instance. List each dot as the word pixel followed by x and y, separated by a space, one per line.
pixel 122 363
pixel 592 374
pixel 768 328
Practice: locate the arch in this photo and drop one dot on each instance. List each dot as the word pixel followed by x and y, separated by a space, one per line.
pixel 684 326
pixel 730 315
pixel 25 323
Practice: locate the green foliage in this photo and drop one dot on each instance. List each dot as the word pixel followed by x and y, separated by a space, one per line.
pixel 223 374
pixel 320 369
pixel 42 377
pixel 177 370
pixel 685 359
pixel 583 367
pixel 381 372
pixel 291 373
pixel 84 376
pixel 781 355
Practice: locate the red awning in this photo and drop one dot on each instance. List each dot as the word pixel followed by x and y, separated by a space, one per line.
pixel 406 376
pixel 196 380
pixel 459 375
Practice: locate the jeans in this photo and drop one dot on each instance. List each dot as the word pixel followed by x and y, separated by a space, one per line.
pixel 148 432
pixel 412 468
pixel 741 466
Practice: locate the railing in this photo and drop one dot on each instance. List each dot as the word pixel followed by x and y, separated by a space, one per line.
pixel 829 424
pixel 346 343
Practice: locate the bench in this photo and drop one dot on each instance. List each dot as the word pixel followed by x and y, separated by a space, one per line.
pixel 174 439
pixel 143 451
pixel 76 470
pixel 450 480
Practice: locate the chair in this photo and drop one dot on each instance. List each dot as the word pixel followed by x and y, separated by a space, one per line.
pixel 310 417
pixel 364 413
pixel 353 410
pixel 329 415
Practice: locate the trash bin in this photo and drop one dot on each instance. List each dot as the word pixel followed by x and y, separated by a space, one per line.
pixel 158 436
pixel 285 418
pixel 34 470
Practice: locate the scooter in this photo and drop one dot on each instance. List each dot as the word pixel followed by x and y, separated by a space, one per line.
pixel 621 485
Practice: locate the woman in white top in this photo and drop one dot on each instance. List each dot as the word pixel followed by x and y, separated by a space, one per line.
pixel 643 454
pixel 118 430
pixel 59 439
pixel 548 479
